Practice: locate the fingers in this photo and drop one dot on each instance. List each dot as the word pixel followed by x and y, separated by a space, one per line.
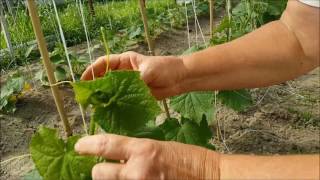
pixel 107 171
pixel 127 60
pixel 109 146
pixel 98 68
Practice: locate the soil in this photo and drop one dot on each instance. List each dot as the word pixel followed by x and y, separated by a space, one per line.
pixel 285 118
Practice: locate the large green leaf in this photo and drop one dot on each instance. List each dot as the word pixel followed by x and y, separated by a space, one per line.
pixel 170 129
pixel 194 105
pixel 149 132
pixel 187 132
pixel 60 73
pixel 56 159
pixel 121 101
pixel 237 100
pixel 13 85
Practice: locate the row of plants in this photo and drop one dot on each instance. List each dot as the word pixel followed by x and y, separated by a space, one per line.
pixel 122 33
pixel 246 16
pixel 121 18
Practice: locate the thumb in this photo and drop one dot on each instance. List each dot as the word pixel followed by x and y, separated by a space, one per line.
pixel 145 73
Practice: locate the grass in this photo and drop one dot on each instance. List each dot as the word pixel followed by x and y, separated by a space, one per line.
pixel 3 44
pixel 304 117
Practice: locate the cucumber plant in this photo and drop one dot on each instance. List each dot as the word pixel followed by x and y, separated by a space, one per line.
pixel 12 91
pixel 121 103
pixel 60 64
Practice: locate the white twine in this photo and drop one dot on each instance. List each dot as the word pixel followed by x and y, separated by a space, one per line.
pixel 197 24
pixel 188 29
pixel 63 40
pixel 87 36
pixel 195 20
pixel 69 62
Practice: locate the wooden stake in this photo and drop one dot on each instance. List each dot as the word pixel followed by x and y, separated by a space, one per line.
pixel 146 28
pixel 228 9
pixel 211 8
pixel 91 7
pixel 150 43
pixel 47 64
pixel 144 3
pixel 4 26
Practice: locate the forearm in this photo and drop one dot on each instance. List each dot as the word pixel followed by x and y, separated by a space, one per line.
pixel 273 167
pixel 277 52
pixel 267 56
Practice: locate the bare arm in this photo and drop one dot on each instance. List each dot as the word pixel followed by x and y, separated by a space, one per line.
pixel 150 159
pixel 247 167
pixel 277 52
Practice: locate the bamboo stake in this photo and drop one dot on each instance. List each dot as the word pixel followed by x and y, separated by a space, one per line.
pixel 144 3
pixel 150 43
pixel 47 64
pixel 211 8
pixel 91 7
pixel 228 8
pixel 146 29
pixel 4 26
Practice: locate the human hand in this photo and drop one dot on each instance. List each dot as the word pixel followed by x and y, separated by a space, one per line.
pixel 148 159
pixel 163 74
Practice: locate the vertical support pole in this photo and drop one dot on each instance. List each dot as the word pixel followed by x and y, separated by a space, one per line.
pixel 46 61
pixel 4 26
pixel 228 8
pixel 146 28
pixel 150 44
pixel 9 7
pixel 144 3
pixel 211 8
pixel 91 7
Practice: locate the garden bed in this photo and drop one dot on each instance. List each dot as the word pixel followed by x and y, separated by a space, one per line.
pixel 283 120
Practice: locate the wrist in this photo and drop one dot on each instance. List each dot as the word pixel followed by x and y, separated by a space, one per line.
pixel 191 162
pixel 188 82
pixel 212 165
pixel 179 72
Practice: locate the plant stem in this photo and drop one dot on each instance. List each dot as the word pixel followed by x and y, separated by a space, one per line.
pixel 106 46
pixel 92 127
pixel 166 108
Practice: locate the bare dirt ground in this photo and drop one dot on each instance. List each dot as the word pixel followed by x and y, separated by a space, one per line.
pixel 285 118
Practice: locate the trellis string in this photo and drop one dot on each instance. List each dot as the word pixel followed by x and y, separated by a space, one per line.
pixel 187 19
pixel 63 40
pixel 87 36
pixel 69 62
pixel 197 24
